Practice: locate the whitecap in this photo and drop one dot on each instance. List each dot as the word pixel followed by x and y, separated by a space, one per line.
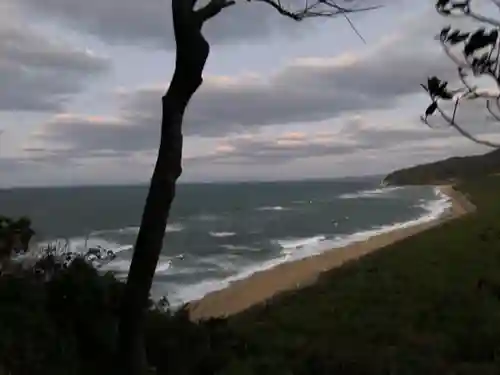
pixel 239 247
pixel 206 217
pixel 174 227
pixel 134 230
pixel 272 208
pixel 294 243
pixel 80 245
pixel 221 234
pixel 128 230
pixel 374 193
pixel 122 265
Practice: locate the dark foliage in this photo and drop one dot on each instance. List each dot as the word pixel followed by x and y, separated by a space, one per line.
pixel 59 318
pixel 15 236
pixel 447 171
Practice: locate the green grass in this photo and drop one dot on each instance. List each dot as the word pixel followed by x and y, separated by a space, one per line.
pixel 412 308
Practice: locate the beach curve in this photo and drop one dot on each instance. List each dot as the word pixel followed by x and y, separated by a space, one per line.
pixel 264 285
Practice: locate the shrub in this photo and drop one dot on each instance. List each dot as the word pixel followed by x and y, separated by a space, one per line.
pixel 60 317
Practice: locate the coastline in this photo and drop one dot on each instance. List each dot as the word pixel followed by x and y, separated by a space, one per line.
pixel 264 285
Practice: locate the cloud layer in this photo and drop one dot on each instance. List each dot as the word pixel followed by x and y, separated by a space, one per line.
pixel 149 22
pixel 356 111
pixel 37 74
pixel 306 91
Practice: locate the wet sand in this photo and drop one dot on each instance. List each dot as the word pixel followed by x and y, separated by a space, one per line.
pixel 263 285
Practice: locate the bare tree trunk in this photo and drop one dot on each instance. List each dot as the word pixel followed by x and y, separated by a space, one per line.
pixel 192 52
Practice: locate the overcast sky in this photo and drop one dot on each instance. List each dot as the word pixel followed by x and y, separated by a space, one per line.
pixel 81 85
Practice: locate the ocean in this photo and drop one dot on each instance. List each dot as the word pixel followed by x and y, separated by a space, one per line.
pixel 221 232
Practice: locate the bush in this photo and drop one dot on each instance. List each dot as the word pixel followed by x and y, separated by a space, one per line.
pixel 61 318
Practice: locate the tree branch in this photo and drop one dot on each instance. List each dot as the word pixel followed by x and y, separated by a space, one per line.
pixel 331 9
pixel 319 8
pixel 213 8
pixel 462 8
pixel 451 121
pixel 480 57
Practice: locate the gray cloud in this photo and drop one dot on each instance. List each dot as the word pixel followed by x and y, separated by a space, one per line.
pixel 313 90
pixel 89 134
pixel 148 22
pixel 103 138
pixel 37 74
pixel 357 137
pixel 308 91
pixel 270 152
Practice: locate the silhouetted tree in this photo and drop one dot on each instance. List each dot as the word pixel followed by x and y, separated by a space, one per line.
pixel 15 237
pixel 475 54
pixel 191 54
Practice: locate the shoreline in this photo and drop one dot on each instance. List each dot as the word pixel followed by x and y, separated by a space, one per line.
pixel 264 285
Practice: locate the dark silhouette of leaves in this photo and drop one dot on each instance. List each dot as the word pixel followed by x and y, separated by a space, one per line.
pixel 437 88
pixel 480 39
pixel 494 35
pixel 457 37
pixel 433 84
pixel 464 5
pixel 479 56
pixel 431 109
pixel 441 3
pixel 444 32
pixel 446 95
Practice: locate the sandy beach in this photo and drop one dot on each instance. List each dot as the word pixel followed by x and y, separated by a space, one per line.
pixel 263 285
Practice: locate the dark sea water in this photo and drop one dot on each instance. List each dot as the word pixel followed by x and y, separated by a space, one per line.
pixel 218 233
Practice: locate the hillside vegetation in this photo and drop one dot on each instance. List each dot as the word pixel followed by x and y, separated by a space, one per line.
pixel 446 171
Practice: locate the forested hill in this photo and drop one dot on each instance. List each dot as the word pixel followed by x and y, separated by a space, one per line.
pixel 446 171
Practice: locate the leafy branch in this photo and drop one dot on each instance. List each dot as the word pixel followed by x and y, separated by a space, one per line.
pixel 474 54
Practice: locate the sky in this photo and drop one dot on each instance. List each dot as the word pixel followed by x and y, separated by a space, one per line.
pixel 81 85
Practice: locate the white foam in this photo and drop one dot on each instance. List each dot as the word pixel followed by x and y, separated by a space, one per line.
pixel 206 217
pixel 117 265
pixel 311 246
pixel 180 294
pixel 374 193
pixel 123 265
pixel 222 234
pixel 119 249
pixel 240 247
pixel 162 267
pixel 272 208
pixel 81 244
pixel 128 230
pixel 434 208
pixel 174 227
pixel 296 243
pixel 221 262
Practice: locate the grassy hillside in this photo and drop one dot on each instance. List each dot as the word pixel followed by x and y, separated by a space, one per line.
pixel 449 170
